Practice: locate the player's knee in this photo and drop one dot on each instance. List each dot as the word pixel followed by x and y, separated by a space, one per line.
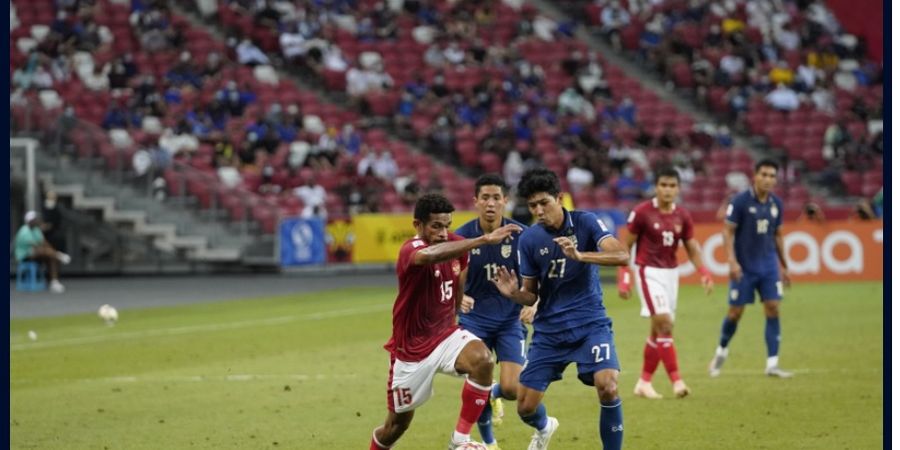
pixel 608 391
pixel 508 393
pixel 482 364
pixel 526 409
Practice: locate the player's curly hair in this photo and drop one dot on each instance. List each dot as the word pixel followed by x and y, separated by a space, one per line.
pixel 538 180
pixel 429 204
pixel 491 179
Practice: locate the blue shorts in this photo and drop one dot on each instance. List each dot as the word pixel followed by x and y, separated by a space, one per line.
pixel 508 342
pixel 590 347
pixel 742 292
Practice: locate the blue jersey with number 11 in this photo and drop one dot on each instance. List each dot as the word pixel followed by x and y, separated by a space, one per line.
pixel 569 290
pixel 492 310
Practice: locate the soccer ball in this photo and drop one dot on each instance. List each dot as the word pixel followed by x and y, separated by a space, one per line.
pixel 471 445
pixel 108 314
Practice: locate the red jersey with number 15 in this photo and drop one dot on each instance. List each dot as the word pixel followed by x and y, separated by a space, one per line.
pixel 658 233
pixel 425 309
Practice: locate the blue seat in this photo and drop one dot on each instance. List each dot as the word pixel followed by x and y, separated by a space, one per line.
pixel 30 277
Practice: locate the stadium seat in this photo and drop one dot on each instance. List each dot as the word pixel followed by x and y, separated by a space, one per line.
pixel 30 277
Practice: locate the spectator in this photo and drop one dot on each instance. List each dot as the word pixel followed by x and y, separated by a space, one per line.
pixel 578 176
pixel 385 167
pixel 783 99
pixel 249 54
pixel 313 196
pixel 30 245
pixel 812 213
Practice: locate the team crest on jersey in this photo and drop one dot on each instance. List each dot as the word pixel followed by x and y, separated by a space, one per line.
pixel 574 239
pixel 456 268
pixel 752 210
pixel 505 250
pixel 656 226
pixel 774 211
pixel 437 273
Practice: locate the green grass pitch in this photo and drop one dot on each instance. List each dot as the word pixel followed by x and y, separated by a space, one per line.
pixel 309 372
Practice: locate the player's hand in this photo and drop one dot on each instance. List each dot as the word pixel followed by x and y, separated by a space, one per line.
pixel 624 283
pixel 706 280
pixel 467 304
pixel 734 271
pixel 498 235
pixel 527 314
pixel 506 281
pixel 568 248
pixel 785 278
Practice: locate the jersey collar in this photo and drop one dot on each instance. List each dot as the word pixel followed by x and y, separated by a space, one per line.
pixel 503 221
pixel 754 197
pixel 567 228
pixel 656 204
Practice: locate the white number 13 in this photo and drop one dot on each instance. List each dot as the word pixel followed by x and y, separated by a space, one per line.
pixel 601 352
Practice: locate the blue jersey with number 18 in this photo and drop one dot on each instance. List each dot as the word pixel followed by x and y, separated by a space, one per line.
pixel 492 311
pixel 570 294
pixel 754 237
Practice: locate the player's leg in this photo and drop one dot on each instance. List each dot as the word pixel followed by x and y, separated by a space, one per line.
pixel 740 294
pixel 644 387
pixel 612 427
pixel 475 361
pixel 771 292
pixel 395 425
pixel 665 330
pixel 598 366
pixel 486 420
pixel 545 364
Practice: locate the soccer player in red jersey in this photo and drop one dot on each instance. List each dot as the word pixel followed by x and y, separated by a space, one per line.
pixel 426 338
pixel 657 226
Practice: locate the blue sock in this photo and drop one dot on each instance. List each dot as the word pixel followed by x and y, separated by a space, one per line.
pixel 495 391
pixel 612 428
pixel 773 335
pixel 538 420
pixel 728 329
pixel 485 424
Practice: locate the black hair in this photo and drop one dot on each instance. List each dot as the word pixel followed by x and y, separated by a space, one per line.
pixel 429 204
pixel 765 163
pixel 668 172
pixel 538 180
pixel 491 179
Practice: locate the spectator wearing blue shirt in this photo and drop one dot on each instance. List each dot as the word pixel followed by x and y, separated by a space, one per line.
pixel 558 258
pixel 756 262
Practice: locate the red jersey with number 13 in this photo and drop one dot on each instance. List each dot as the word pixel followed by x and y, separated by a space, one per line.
pixel 658 233
pixel 425 309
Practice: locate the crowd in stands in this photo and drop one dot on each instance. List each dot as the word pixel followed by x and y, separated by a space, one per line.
pixel 484 86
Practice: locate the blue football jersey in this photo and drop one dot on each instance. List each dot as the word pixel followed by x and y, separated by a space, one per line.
pixel 492 310
pixel 570 294
pixel 754 238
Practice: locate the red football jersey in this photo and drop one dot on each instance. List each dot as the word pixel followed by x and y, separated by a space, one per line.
pixel 425 309
pixel 658 233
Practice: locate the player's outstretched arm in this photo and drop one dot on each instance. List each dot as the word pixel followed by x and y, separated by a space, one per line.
pixel 693 250
pixel 508 284
pixel 613 252
pixel 453 249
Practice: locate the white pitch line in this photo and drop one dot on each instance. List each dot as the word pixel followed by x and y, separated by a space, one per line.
pixel 201 378
pixel 197 328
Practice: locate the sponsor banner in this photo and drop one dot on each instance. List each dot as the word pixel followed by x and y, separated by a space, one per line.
pixel 339 238
pixel 302 242
pixel 830 251
pixel 378 237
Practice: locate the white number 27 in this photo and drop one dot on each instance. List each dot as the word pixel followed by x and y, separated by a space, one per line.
pixel 601 352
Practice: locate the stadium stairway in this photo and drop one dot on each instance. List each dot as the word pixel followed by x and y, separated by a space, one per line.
pixel 173 228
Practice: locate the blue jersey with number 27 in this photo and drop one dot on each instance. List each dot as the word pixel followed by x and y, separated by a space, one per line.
pixel 570 294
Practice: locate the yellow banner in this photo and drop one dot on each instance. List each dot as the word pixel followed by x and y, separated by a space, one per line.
pixel 378 237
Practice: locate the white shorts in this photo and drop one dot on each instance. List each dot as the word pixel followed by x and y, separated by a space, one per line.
pixel 657 289
pixel 411 383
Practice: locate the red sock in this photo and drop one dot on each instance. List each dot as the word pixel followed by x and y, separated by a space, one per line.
pixel 651 359
pixel 375 445
pixel 474 399
pixel 666 346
